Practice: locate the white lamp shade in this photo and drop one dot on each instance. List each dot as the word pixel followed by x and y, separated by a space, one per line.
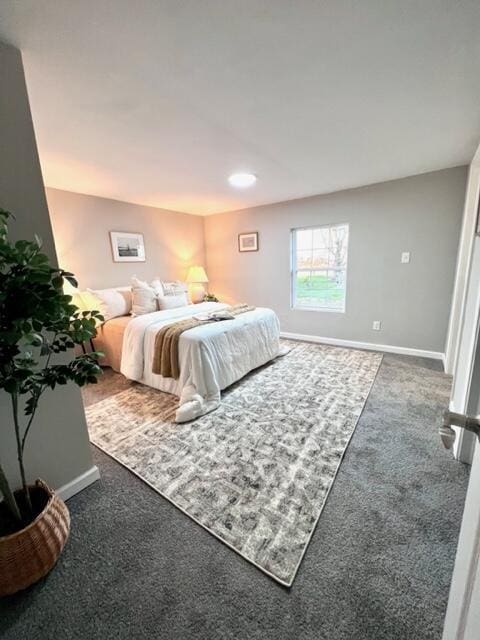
pixel 196 275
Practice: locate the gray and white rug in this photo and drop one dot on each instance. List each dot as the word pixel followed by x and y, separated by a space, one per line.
pixel 257 471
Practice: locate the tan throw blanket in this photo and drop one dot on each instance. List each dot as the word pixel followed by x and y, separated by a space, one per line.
pixel 165 359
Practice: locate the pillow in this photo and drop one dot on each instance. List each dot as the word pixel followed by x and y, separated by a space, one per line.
pixel 78 301
pixel 174 288
pixel 172 302
pixel 157 285
pixel 86 301
pixel 144 298
pixel 110 302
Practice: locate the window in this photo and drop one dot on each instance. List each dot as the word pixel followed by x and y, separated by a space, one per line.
pixel 319 267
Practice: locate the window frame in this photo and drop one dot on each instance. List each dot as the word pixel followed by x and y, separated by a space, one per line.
pixel 294 270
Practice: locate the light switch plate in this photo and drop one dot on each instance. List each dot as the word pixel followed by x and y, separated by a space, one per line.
pixel 406 257
pixel 377 325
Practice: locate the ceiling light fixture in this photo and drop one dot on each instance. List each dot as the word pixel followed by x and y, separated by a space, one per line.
pixel 242 180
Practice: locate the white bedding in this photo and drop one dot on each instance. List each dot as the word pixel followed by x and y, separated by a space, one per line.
pixel 212 356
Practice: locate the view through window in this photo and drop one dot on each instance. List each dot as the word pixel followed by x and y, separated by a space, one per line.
pixel 319 267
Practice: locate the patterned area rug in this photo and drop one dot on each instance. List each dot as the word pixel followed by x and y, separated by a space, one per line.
pixel 257 471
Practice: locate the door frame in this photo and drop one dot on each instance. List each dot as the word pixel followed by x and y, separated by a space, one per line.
pixel 464 260
pixel 465 367
pixel 463 329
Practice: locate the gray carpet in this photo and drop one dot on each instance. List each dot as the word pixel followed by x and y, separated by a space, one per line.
pixel 378 567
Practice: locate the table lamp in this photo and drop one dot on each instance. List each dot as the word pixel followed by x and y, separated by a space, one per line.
pixel 197 277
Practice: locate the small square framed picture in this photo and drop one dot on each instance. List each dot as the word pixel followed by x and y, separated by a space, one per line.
pixel 248 241
pixel 127 247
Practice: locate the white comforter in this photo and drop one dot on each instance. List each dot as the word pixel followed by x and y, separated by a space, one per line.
pixel 212 356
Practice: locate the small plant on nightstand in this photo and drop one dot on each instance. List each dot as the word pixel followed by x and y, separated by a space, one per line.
pixel 210 297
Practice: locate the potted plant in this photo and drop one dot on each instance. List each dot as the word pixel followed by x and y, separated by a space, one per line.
pixel 37 322
pixel 210 297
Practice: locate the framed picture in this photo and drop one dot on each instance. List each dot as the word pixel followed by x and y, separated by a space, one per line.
pixel 248 241
pixel 127 247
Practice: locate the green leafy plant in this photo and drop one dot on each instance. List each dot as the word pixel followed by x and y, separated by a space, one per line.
pixel 210 297
pixel 37 322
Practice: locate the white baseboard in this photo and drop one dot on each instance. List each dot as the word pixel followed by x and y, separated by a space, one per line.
pixel 370 346
pixel 78 484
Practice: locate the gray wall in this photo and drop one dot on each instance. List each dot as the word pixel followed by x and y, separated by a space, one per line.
pixel 81 225
pixel 421 214
pixel 58 448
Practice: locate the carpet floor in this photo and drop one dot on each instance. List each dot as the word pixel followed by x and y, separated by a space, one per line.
pixel 378 566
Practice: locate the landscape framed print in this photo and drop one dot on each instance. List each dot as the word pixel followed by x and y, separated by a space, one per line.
pixel 248 241
pixel 127 247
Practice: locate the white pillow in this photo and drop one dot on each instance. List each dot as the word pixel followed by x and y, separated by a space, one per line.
pixel 87 301
pixel 78 301
pixel 110 302
pixel 174 288
pixel 144 298
pixel 172 302
pixel 157 285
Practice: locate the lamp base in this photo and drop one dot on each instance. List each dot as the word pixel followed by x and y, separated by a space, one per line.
pixel 197 293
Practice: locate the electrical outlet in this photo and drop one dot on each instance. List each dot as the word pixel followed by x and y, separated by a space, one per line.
pixel 405 257
pixel 377 325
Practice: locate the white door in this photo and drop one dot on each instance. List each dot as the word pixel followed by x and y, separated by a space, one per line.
pixel 462 621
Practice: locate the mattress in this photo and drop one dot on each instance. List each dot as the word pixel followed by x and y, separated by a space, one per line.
pixel 109 340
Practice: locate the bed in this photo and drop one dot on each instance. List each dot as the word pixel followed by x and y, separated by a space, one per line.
pixel 212 356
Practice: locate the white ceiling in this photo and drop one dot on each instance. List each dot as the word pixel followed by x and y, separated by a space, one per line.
pixel 158 101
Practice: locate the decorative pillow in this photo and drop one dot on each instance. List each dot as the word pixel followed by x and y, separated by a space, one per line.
pixel 174 288
pixel 172 302
pixel 144 298
pixel 157 285
pixel 78 301
pixel 87 301
pixel 110 302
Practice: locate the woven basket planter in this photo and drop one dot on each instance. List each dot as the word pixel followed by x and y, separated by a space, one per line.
pixel 29 554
